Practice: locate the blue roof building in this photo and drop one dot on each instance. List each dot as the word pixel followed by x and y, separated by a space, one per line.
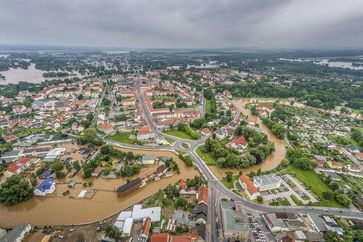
pixel 46 187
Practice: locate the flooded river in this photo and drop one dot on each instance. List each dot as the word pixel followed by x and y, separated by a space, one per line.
pixel 273 160
pixel 58 210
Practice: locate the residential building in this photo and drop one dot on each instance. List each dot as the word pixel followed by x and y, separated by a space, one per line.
pixel 18 166
pixel 144 134
pixel 17 234
pixel 239 143
pixel 45 188
pixel 203 195
pixel 248 186
pixel 148 159
pixel 129 187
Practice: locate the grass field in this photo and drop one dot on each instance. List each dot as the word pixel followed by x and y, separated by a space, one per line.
pixel 208 106
pixel 206 157
pixel 312 181
pixel 123 138
pixel 179 134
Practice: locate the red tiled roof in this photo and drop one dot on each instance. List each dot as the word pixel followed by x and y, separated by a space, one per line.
pixel 13 167
pixel 147 226
pixel 205 130
pixel 203 194
pixel 241 140
pixel 182 184
pixel 163 237
pixel 144 129
pixel 181 239
pixel 359 156
pixel 249 184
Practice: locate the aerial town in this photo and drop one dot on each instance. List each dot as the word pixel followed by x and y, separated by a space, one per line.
pixel 189 152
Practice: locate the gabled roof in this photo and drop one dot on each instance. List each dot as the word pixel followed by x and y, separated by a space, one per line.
pixel 203 194
pixel 249 184
pixel 13 167
pixel 163 237
pixel 240 140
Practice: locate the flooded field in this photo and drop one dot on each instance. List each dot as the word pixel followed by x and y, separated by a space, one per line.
pixel 57 210
pixel 273 160
pixel 32 75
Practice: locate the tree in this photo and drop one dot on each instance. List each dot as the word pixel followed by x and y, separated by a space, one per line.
pixel 90 136
pixel 328 195
pixel 112 232
pixel 76 165
pixel 259 199
pixel 229 176
pixel 15 190
pixel 57 166
pixel 343 200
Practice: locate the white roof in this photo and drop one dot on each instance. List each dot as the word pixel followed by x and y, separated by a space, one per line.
pixel 127 226
pixel 119 225
pixel 82 194
pixel 136 208
pixel 124 215
pixel 54 153
pixel 154 213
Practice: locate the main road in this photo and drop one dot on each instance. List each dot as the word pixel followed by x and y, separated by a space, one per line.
pixel 216 188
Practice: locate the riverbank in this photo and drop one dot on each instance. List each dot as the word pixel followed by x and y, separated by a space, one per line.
pixel 58 210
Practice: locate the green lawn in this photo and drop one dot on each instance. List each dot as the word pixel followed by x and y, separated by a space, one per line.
pixel 123 138
pixel 208 158
pixel 170 141
pixel 284 202
pixel 296 200
pixel 179 134
pixel 208 106
pixel 312 181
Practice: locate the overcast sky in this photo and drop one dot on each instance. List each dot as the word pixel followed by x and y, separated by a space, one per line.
pixel 183 23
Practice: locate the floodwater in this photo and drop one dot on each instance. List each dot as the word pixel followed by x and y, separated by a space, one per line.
pixel 272 161
pixel 341 64
pixel 58 210
pixel 32 75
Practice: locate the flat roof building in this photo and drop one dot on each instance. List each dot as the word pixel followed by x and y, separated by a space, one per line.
pixel 267 182
pixel 234 223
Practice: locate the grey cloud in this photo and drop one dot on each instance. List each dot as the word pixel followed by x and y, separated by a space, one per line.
pixel 183 23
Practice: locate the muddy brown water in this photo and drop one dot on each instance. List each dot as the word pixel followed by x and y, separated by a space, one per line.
pixel 58 210
pixel 272 161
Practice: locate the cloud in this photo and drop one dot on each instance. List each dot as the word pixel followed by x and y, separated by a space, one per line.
pixel 183 23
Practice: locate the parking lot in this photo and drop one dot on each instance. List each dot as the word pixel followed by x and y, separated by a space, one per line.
pixel 289 187
pixel 257 233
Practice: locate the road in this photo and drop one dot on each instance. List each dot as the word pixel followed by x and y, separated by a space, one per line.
pixel 217 189
pixel 98 108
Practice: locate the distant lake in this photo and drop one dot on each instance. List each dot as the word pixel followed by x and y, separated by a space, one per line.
pixel 32 75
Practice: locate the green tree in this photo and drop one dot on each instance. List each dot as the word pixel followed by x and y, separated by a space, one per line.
pixel 57 166
pixel 229 176
pixel 343 200
pixel 259 199
pixel 15 190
